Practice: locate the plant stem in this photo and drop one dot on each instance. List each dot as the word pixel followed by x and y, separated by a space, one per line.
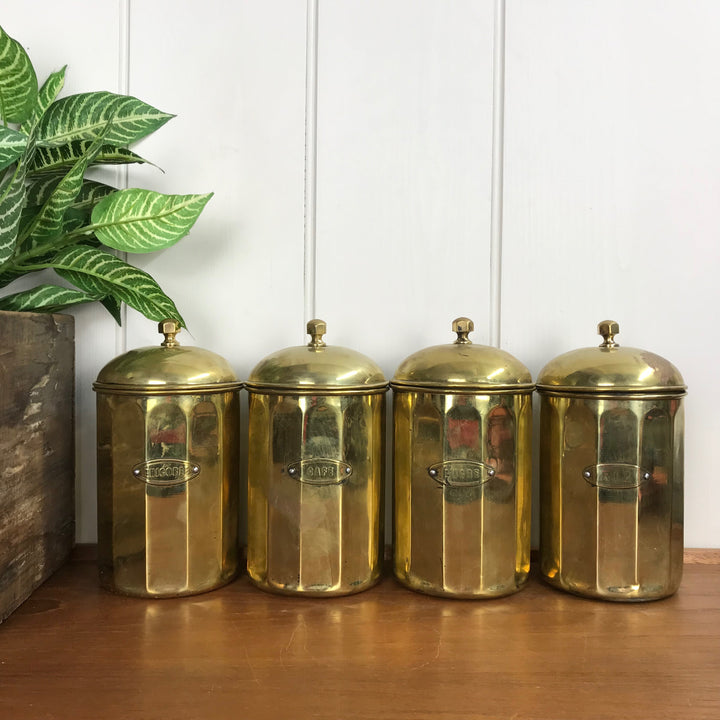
pixel 37 268
pixel 19 260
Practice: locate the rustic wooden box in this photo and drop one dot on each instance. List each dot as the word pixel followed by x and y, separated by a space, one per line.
pixel 37 451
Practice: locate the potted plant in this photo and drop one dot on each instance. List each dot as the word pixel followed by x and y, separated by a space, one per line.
pixel 52 216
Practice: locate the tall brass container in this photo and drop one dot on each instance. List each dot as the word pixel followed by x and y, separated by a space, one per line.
pixel 611 472
pixel 315 470
pixel 462 469
pixel 168 470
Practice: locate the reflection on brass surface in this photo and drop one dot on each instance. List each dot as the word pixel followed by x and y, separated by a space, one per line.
pixel 167 492
pixel 462 418
pixel 168 470
pixel 611 471
pixel 611 495
pixel 315 479
pixel 462 474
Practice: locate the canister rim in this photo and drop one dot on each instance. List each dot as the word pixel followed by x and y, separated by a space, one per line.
pixel 165 388
pixel 464 388
pixel 612 391
pixel 315 389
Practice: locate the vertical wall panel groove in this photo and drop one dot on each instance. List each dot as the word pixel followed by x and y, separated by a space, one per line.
pixel 496 212
pixel 311 83
pixel 121 172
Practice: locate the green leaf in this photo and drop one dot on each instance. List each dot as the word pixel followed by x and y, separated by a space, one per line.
pixel 49 221
pixel 45 298
pixel 9 274
pixel 48 92
pixel 113 307
pixel 83 116
pixel 38 191
pixel 18 82
pixel 73 220
pixel 101 274
pixel 12 199
pixel 76 216
pixel 12 146
pixel 54 159
pixel 142 221
pixel 90 194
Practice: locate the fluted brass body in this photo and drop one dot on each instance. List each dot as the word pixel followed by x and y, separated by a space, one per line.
pixel 611 472
pixel 462 418
pixel 315 470
pixel 168 471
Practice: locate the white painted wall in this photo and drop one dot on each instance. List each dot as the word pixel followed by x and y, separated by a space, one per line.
pixel 606 203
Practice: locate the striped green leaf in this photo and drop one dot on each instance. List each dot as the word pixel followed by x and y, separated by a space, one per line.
pixel 142 221
pixel 91 192
pixel 45 298
pixel 78 213
pixel 18 82
pixel 101 274
pixel 113 307
pixel 55 159
pixel 12 200
pixel 84 116
pixel 40 189
pixel 12 146
pixel 73 220
pixel 48 223
pixel 48 92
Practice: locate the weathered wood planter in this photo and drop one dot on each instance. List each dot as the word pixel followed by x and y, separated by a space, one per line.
pixel 37 453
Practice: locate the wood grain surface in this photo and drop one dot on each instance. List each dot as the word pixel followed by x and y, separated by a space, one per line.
pixel 37 451
pixel 75 651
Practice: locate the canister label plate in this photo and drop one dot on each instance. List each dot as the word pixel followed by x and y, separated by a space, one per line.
pixel 320 471
pixel 165 472
pixel 615 476
pixel 461 473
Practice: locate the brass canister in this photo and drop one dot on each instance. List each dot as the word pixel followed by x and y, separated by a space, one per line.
pixel 315 469
pixel 611 472
pixel 462 469
pixel 168 470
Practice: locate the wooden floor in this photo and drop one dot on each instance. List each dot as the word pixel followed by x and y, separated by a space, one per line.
pixel 74 651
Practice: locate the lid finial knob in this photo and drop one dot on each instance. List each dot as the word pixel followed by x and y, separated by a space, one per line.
pixel 608 329
pixel 316 329
pixel 463 327
pixel 169 328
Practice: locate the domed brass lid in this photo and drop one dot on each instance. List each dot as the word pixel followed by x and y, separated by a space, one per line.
pixel 462 366
pixel 610 368
pixel 167 367
pixel 317 366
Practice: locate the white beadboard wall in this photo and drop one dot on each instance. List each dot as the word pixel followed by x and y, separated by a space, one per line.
pixel 537 165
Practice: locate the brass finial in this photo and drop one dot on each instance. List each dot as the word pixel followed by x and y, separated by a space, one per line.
pixel 463 327
pixel 316 329
pixel 169 328
pixel 608 329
